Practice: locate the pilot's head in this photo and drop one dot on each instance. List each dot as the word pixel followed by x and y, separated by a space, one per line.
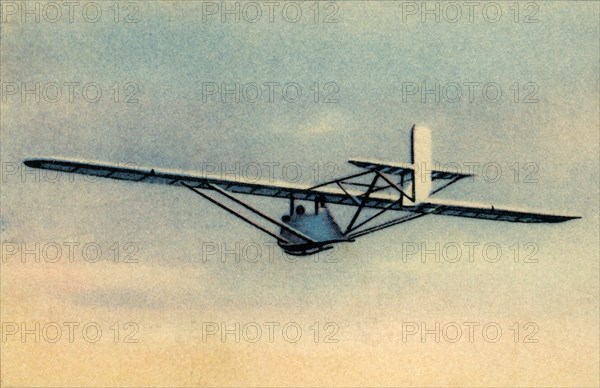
pixel 300 210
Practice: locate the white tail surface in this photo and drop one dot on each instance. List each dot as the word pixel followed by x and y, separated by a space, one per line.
pixel 421 160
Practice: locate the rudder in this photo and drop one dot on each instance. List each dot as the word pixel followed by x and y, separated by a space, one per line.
pixel 421 160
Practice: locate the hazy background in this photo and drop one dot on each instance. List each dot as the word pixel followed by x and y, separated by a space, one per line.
pixel 368 290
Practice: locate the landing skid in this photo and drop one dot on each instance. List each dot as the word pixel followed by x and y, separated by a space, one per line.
pixel 306 249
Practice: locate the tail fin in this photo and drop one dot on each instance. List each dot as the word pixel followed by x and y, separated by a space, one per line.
pixel 421 160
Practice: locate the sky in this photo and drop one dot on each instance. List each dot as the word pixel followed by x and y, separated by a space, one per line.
pixel 528 108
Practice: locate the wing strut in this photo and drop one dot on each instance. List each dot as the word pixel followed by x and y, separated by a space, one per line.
pixel 257 212
pixel 229 210
pixel 387 224
pixel 362 204
pixel 373 217
pixel 395 186
pixel 340 179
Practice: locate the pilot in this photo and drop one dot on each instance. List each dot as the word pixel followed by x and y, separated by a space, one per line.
pixel 319 203
pixel 299 211
pixel 321 200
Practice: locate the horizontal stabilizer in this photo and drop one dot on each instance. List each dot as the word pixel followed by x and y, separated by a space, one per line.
pixel 405 170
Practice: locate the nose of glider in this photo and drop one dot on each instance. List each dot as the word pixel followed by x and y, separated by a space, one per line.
pixel 33 163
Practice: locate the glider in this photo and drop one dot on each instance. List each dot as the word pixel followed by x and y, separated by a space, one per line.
pixel 404 188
